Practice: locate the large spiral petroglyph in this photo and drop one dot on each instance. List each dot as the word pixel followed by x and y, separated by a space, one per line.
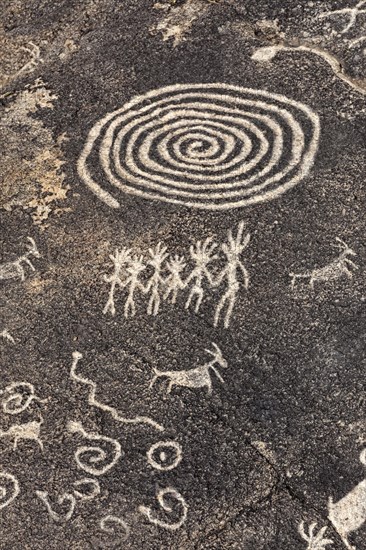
pixel 212 146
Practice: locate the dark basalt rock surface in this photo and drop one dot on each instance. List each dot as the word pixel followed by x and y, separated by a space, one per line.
pixel 275 444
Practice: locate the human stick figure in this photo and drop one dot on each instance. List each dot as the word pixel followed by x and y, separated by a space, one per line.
pixel 156 281
pixel 174 282
pixel 231 272
pixel 202 255
pixel 120 259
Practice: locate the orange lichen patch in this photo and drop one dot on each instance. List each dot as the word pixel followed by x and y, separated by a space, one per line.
pixel 179 18
pixel 31 165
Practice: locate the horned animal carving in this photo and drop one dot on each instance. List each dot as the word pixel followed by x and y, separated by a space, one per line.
pixel 199 377
pixel 15 269
pixel 29 430
pixel 336 269
pixel 349 514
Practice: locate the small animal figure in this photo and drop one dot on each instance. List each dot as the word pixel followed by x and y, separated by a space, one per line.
pixel 334 270
pixel 29 430
pixel 349 514
pixel 199 377
pixel 12 270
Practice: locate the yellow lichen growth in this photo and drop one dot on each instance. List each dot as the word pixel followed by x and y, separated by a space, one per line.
pixel 31 164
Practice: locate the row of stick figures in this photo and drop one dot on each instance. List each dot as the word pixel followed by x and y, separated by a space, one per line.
pixel 167 278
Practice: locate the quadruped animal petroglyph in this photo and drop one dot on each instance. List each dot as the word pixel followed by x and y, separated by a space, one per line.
pixel 15 269
pixel 199 377
pixel 349 514
pixel 214 146
pixel 167 279
pixel 336 269
pixel 30 431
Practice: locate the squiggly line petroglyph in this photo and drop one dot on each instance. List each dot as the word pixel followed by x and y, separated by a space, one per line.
pixel 212 146
pixel 30 431
pixel 198 377
pixel 351 13
pixel 15 269
pixel 316 541
pixel 164 455
pixel 94 454
pixel 128 269
pixel 17 397
pixel 349 514
pixel 110 523
pixel 336 269
pixel 172 494
pixel 65 497
pixel 268 53
pixel 8 494
pixel 111 410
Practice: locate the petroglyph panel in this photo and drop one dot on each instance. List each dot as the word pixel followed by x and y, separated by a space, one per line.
pixel 211 146
pixel 169 277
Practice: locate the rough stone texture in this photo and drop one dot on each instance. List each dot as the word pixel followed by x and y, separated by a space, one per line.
pixel 286 429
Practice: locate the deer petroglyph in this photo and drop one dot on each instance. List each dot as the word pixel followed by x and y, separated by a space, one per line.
pixel 198 377
pixel 27 431
pixel 336 269
pixel 15 269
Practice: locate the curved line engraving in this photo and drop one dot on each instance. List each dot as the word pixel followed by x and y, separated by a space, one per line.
pixel 161 497
pixel 13 403
pixel 99 454
pixel 111 530
pixel 93 483
pixel 163 466
pixel 212 146
pixel 94 403
pixel 4 499
pixel 65 497
pixel 267 53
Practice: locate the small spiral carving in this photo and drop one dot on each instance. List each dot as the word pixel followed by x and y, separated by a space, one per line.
pixel 93 459
pixel 18 396
pixel 161 496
